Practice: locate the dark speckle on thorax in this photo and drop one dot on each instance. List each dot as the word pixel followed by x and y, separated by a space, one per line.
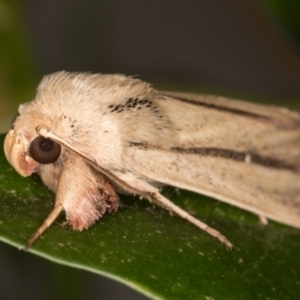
pixel 133 104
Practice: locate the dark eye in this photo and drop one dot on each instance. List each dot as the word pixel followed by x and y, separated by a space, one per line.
pixel 44 150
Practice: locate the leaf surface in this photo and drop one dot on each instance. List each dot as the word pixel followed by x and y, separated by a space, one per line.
pixel 162 256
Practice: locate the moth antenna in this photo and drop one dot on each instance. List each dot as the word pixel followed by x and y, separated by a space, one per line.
pixel 49 220
pixel 166 203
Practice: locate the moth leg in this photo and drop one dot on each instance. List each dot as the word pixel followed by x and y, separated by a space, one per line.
pixel 83 195
pixel 263 220
pixel 145 190
pixel 56 210
pixel 166 203
pixel 49 220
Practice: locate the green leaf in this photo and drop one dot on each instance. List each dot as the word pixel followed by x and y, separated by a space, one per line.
pixel 162 256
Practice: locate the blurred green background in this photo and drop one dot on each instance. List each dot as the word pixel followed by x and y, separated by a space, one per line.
pixel 247 49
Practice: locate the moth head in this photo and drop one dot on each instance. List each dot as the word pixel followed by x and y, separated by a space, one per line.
pixel 25 149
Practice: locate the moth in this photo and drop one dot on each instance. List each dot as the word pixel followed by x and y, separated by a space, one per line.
pixel 91 136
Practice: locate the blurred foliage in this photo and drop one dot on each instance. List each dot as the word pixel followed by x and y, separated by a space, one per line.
pixel 287 13
pixel 17 65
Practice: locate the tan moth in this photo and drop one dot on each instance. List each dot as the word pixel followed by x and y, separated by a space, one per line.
pixel 89 136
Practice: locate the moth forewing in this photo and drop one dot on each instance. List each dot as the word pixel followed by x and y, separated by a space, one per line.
pixel 279 116
pixel 250 187
pixel 250 160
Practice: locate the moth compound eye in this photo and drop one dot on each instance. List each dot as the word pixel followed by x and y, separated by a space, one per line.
pixel 44 150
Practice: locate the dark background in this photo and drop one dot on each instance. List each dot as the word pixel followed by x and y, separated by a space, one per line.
pixel 219 43
pixel 243 48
